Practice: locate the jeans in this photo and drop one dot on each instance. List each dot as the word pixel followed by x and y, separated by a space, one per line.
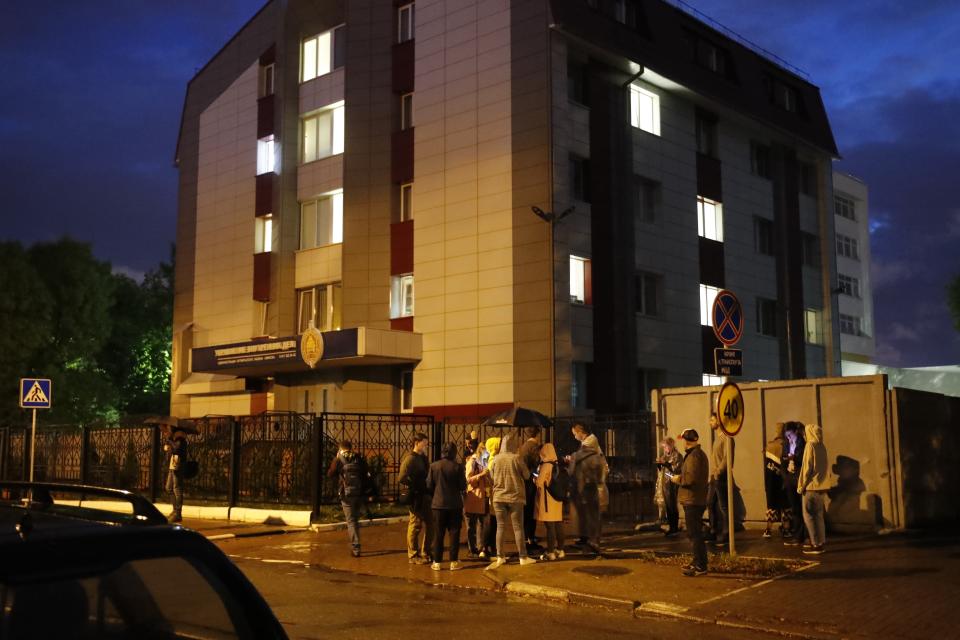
pixel 670 505
pixel 351 513
pixel 795 504
pixel 447 520
pixel 421 519
pixel 588 513
pixel 694 518
pixel 813 517
pixel 510 513
pixel 554 536
pixel 475 524
pixel 175 487
pixel 490 533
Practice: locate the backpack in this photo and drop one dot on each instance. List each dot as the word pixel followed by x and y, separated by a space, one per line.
pixel 191 468
pixel 559 485
pixel 353 475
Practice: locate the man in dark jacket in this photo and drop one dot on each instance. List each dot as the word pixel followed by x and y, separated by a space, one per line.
pixel 447 480
pixel 413 481
pixel 587 467
pixel 350 468
pixel 176 448
pixel 693 498
pixel 530 456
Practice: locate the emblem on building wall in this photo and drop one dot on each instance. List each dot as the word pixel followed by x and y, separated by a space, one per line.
pixel 311 346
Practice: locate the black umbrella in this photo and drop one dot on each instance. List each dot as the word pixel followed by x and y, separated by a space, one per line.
pixel 178 424
pixel 519 417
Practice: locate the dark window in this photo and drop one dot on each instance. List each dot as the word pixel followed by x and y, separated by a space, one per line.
pixel 706 134
pixel 848 247
pixel 646 197
pixel 647 381
pixel 581 385
pixel 577 82
pixel 808 178
pixel 760 160
pixel 339 47
pixel 784 95
pixel 579 178
pixel 766 317
pixel 810 248
pixel 648 293
pixel 850 325
pixel 763 234
pixel 845 207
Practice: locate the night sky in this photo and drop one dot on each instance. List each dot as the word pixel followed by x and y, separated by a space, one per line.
pixel 92 93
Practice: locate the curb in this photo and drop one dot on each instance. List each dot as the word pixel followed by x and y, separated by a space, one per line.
pixel 316 528
pixel 256 534
pixel 374 522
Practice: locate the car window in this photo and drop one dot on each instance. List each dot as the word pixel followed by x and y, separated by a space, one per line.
pixel 153 598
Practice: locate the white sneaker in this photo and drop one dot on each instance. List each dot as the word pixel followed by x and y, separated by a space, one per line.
pixel 483 555
pixel 561 554
pixel 550 555
pixel 435 566
pixel 496 564
pixel 454 565
pixel 526 561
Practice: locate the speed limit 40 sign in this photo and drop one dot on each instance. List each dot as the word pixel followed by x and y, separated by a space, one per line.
pixel 730 408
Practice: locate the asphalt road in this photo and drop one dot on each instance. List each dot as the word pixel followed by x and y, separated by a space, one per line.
pixel 313 601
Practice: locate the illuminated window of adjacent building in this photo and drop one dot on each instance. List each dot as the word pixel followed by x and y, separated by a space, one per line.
pixel 850 325
pixel 710 380
pixel 321 221
pixel 405 22
pixel 644 110
pixel 580 286
pixel 707 295
pixel 320 305
pixel 406 111
pixel 848 247
pixel 646 196
pixel 401 296
pixel 766 317
pixel 849 286
pixel 266 155
pixel 845 207
pixel 263 234
pixel 406 391
pixel 323 133
pixel 322 53
pixel 648 292
pixel 709 219
pixel 406 202
pixel 813 326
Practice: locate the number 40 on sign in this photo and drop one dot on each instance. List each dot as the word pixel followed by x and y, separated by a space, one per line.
pixel 730 408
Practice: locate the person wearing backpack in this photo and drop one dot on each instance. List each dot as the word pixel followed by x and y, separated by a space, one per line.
pixel 551 483
pixel 351 470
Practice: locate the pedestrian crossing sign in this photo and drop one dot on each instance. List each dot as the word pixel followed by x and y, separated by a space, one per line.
pixel 35 393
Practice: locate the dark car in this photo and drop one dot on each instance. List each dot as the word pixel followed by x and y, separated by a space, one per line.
pixel 71 570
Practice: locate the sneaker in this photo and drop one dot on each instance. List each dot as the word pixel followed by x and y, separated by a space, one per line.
pixel 806 547
pixel 791 542
pixel 814 550
pixel 454 566
pixel 355 552
pixel 435 566
pixel 525 561
pixel 767 534
pixel 550 555
pixel 482 555
pixel 561 554
pixel 496 564
pixel 693 571
pixel 418 560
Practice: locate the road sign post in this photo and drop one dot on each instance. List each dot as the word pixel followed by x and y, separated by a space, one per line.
pixel 35 393
pixel 730 411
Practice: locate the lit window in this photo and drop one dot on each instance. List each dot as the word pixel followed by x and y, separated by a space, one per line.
pixel 813 327
pixel 766 317
pixel 406 111
pixel 406 391
pixel 709 219
pixel 321 221
pixel 710 380
pixel 262 313
pixel 322 53
pixel 644 110
pixel 405 22
pixel 850 286
pixel 580 287
pixel 845 207
pixel 848 247
pixel 320 307
pixel 850 325
pixel 323 134
pixel 406 202
pixel 263 234
pixel 401 296
pixel 266 156
pixel 707 295
pixel 648 294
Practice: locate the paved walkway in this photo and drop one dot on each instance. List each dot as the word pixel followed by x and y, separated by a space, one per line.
pixel 893 586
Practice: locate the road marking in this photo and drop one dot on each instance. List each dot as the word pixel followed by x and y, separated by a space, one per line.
pixel 810 565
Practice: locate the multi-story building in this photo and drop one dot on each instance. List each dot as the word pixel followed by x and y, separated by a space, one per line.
pixel 852 224
pixel 482 202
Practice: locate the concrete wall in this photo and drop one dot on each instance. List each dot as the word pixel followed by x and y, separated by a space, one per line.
pixel 857 433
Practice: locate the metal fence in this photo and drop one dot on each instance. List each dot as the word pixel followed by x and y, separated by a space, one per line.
pixel 281 458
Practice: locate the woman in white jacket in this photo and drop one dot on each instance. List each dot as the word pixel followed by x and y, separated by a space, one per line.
pixel 813 484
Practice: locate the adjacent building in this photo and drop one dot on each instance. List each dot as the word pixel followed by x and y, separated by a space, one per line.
pixel 449 206
pixel 852 223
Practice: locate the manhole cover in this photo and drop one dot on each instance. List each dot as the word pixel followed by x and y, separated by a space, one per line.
pixel 602 571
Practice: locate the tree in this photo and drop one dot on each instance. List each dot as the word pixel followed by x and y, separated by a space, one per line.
pixel 953 300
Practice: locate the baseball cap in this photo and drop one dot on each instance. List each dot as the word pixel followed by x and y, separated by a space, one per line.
pixel 690 435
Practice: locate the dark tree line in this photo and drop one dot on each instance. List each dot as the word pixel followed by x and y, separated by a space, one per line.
pixel 103 338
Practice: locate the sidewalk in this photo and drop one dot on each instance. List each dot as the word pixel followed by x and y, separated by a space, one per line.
pixel 891 586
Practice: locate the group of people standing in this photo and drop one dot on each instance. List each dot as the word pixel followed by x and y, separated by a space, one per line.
pixel 796 481
pixel 503 486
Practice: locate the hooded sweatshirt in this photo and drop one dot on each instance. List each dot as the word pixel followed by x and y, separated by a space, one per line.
pixel 447 480
pixel 508 473
pixel 547 509
pixel 815 470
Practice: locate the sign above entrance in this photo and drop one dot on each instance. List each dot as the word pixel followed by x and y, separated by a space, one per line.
pixel 727 318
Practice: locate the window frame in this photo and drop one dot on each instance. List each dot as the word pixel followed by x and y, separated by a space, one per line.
pixel 332 298
pixel 848 247
pixel 636 121
pixel 809 249
pixel 844 207
pixel 580 178
pixel 332 57
pixel 646 199
pixel 406 201
pixel 760 159
pixel 406 391
pixel 335 132
pixel 767 315
pixel 409 33
pixel 649 285
pixel 814 334
pixel 853 323
pixel 581 285
pixel 335 230
pixel 703 217
pixel 708 294
pixel 263 234
pixel 763 229
pixel 406 111
pixel 402 290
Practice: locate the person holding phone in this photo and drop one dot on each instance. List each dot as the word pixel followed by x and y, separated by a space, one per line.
pixel 692 483
pixel 666 491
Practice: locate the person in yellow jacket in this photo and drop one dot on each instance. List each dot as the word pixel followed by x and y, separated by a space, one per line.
pixel 548 510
